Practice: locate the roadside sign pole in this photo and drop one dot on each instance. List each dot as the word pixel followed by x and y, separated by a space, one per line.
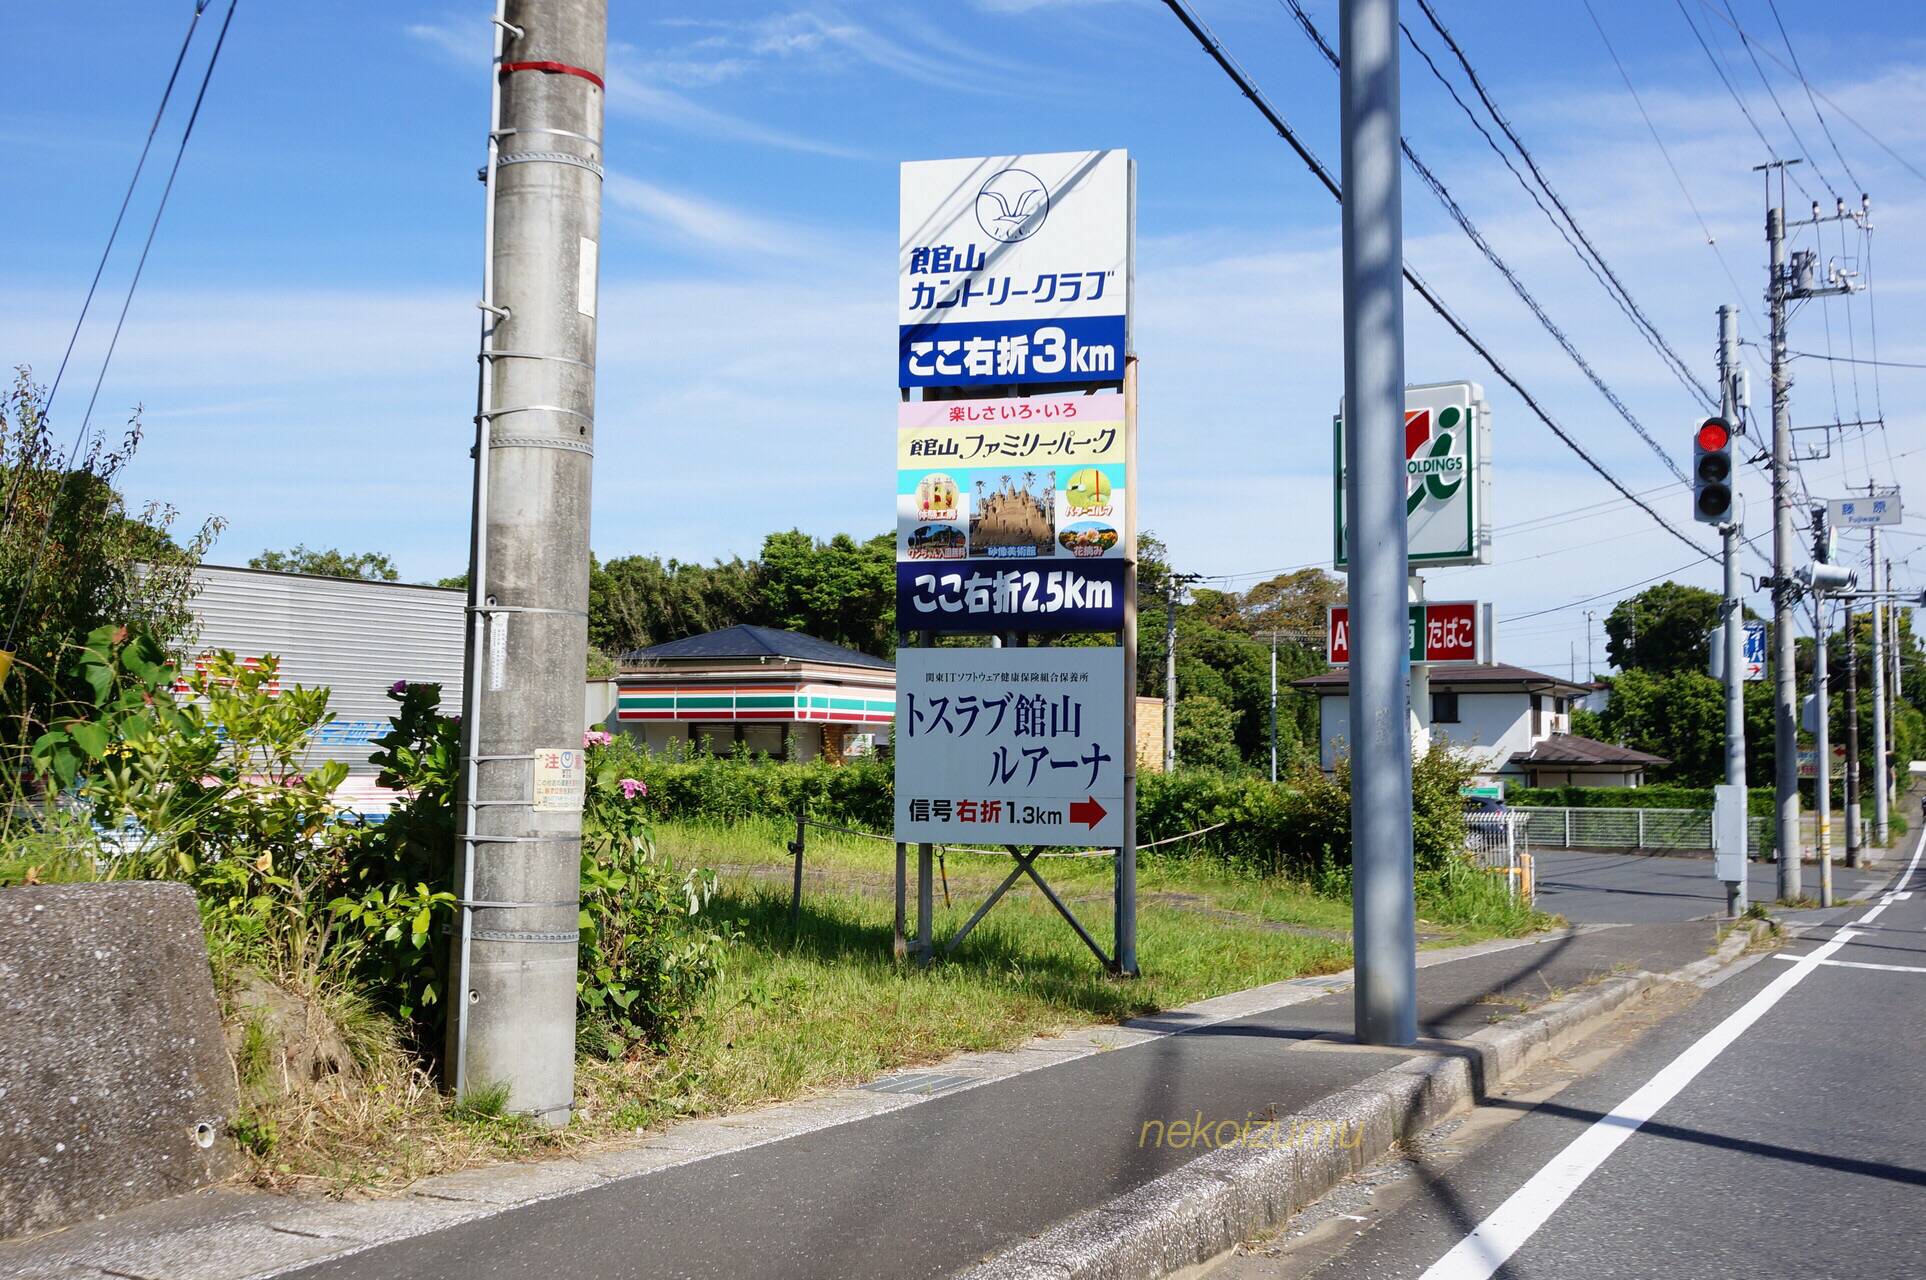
pixel 1383 916
pixel 1124 894
pixel 1852 739
pixel 1822 754
pixel 1882 813
pixel 1734 634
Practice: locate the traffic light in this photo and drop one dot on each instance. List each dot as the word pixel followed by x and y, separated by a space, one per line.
pixel 1824 540
pixel 1712 472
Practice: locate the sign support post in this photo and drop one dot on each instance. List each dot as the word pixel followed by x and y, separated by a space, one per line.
pixel 1383 909
pixel 1124 894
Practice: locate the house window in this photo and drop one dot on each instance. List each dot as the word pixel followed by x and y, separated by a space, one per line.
pixel 1444 707
pixel 1537 715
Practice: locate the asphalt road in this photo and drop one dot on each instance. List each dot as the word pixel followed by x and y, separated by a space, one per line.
pixel 1620 888
pixel 1771 1129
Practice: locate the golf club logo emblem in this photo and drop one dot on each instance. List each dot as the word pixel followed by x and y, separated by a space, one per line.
pixel 1012 205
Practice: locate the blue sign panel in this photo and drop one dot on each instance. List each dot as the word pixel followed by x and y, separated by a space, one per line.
pixel 997 595
pixel 1065 349
pixel 1755 650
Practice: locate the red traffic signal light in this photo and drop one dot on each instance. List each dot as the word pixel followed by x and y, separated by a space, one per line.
pixel 1712 472
pixel 1714 434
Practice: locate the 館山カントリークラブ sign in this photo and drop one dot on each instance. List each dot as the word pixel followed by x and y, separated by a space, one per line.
pixel 1014 269
pixel 1010 746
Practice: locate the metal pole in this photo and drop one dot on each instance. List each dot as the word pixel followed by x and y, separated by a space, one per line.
pixel 1123 890
pixel 1383 921
pixel 1170 672
pixel 1882 815
pixel 1273 706
pixel 1734 632
pixel 1822 741
pixel 514 1005
pixel 1785 709
pixel 1852 740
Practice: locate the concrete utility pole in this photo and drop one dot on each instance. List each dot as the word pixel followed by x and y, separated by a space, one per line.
pixel 1785 679
pixel 1383 919
pixel 512 1001
pixel 1733 634
pixel 1822 753
pixel 1174 584
pixel 1273 706
pixel 1852 740
pixel 1882 816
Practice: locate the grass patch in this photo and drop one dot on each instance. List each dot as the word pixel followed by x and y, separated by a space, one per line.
pixel 825 1005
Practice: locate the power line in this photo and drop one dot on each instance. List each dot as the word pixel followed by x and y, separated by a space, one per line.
pixel 1883 364
pixel 1811 101
pixel 53 389
pixel 1465 224
pixel 1616 288
pixel 1643 582
pixel 1212 46
pixel 1745 42
pixel 1908 165
pixel 200 96
pixel 1744 110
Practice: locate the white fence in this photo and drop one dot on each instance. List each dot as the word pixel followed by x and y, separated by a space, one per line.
pixel 1501 842
pixel 1649 829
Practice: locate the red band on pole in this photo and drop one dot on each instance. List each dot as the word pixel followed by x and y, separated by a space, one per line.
pixel 557 69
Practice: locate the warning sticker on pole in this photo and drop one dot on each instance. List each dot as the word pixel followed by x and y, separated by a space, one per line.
pixel 561 779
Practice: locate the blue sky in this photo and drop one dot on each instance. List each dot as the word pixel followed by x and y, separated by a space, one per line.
pixel 303 338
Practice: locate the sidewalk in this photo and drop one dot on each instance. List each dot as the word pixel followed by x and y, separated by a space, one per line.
pixel 919 1174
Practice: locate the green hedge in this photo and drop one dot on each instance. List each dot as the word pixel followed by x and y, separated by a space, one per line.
pixel 1297 828
pixel 1662 796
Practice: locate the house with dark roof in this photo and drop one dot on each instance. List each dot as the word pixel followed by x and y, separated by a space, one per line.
pixel 1515 722
pixel 780 693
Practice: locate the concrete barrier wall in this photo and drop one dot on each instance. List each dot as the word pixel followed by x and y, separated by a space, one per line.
pixel 114 1086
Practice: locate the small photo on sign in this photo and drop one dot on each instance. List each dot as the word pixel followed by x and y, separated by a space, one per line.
pixel 936 497
pixel 1017 519
pixel 936 542
pixel 1088 539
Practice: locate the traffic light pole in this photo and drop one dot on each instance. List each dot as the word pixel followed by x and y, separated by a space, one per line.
pixel 1882 813
pixel 1733 636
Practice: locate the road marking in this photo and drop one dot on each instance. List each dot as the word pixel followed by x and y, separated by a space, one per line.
pixel 1859 964
pixel 1479 1255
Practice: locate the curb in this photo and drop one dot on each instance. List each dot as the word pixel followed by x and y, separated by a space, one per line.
pixel 1195 1213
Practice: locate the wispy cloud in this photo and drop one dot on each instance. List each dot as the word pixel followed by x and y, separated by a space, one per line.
pixel 707 224
pixel 631 93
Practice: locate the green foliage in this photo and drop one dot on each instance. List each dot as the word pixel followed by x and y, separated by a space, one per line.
pixel 1206 734
pixel 840 590
pixel 1652 796
pixel 95 564
pixel 369 566
pixel 646 956
pixel 1662 630
pixel 1681 716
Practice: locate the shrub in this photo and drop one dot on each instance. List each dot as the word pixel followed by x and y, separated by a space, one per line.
pixel 1759 799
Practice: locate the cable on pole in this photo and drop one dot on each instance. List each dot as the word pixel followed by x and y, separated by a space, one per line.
pixel 53 389
pixel 200 96
pixel 1218 54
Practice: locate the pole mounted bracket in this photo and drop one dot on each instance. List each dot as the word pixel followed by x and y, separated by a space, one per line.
pixel 500 313
pixel 509 27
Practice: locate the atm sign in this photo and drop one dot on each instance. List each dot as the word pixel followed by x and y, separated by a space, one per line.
pixel 1441 631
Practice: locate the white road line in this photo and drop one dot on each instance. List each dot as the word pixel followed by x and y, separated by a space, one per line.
pixel 1857 964
pixel 1479 1255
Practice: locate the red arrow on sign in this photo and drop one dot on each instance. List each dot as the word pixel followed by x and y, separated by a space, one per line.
pixel 1088 812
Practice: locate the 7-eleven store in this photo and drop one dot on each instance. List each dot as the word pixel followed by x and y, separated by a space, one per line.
pixel 778 693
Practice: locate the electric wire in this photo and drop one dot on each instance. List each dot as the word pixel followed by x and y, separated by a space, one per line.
pixel 1616 288
pixel 1615 591
pixel 1215 49
pixel 1719 66
pixel 53 388
pixel 1874 138
pixel 46 527
pixel 1477 238
pixel 1745 42
pixel 1811 101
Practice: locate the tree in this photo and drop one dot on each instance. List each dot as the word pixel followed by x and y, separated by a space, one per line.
pixel 1206 735
pixel 1663 629
pixel 369 566
pixel 840 590
pixel 73 558
pixel 638 601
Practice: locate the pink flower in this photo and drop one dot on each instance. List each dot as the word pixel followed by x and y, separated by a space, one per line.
pixel 633 787
pixel 596 738
pixel 398 688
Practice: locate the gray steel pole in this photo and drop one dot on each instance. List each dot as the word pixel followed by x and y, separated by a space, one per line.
pixel 513 1010
pixel 1170 673
pixel 1734 632
pixel 1852 739
pixel 1383 921
pixel 1822 743
pixel 1273 706
pixel 1882 814
pixel 1785 678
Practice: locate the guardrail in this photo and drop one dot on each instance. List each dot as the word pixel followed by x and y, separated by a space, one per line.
pixel 1659 830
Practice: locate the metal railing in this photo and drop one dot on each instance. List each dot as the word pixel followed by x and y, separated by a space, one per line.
pixel 1501 842
pixel 1658 830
